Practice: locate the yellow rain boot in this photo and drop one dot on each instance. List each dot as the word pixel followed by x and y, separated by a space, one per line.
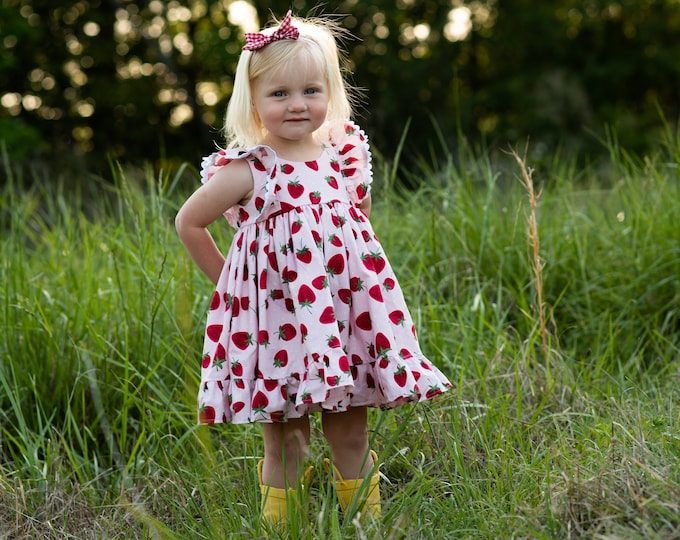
pixel 275 500
pixel 356 494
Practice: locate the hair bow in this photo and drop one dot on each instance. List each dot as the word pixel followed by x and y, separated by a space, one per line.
pixel 286 30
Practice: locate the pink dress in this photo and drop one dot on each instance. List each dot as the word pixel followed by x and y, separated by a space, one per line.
pixel 307 314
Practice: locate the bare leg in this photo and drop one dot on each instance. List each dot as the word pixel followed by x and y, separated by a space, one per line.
pixel 347 435
pixel 285 447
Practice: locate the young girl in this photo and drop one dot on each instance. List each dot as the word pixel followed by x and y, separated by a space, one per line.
pixel 307 315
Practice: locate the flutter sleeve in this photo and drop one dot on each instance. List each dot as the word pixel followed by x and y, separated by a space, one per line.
pixel 354 156
pixel 262 161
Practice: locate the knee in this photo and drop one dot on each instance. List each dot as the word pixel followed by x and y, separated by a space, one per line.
pixel 352 436
pixel 289 444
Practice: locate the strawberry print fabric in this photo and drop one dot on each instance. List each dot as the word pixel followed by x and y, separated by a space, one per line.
pixel 307 314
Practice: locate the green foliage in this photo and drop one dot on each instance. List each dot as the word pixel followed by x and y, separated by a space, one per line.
pixel 101 315
pixel 149 81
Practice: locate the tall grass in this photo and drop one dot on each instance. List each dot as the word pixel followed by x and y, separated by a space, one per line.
pixel 553 307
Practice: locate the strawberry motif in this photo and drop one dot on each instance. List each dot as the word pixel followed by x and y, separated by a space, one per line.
pixel 205 361
pixel 220 356
pixel 306 296
pixel 233 304
pixel 373 261
pixel 215 303
pixel 370 381
pixel 277 416
pixel 312 165
pixel 345 296
pixel 335 165
pixel 296 227
pixel 287 168
pixel 317 238
pixel 304 255
pixel 295 189
pixel 276 294
pixel 343 364
pixel 363 321
pixel 332 182
pixel 259 204
pixel 273 263
pixel 320 282
pixel 397 317
pixel 288 276
pixel 335 240
pixel 237 407
pixel 389 284
pixel 315 197
pixel 348 147
pixel 270 384
pixel 221 159
pixel 336 265
pixel 433 391
pixel 242 340
pixel 236 369
pixel 263 338
pixel 206 414
pixel 355 284
pixel 400 376
pixel 259 165
pixel 287 332
pixel 333 342
pixel 328 316
pixel 214 331
pixel 382 344
pixel 338 221
pixel 260 402
pixel 376 293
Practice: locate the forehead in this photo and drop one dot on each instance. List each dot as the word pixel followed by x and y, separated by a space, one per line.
pixel 292 71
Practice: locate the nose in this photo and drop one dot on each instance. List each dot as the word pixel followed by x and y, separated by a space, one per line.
pixel 297 103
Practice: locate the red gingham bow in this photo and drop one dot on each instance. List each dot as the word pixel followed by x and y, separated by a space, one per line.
pixel 286 30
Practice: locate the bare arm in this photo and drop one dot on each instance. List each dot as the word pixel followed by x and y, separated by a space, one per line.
pixel 227 187
pixel 366 205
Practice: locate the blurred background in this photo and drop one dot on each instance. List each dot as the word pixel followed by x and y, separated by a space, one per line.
pixel 147 81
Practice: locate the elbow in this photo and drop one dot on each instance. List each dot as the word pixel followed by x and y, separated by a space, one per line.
pixel 181 224
pixel 178 223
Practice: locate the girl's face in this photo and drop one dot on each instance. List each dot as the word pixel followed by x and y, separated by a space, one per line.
pixel 291 101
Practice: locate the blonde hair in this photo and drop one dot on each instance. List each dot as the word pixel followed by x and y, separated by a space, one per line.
pixel 317 44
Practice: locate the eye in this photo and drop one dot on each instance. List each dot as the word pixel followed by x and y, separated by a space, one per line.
pixel 311 91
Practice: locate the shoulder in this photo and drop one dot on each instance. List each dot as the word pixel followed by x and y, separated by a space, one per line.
pixel 238 161
pixel 345 132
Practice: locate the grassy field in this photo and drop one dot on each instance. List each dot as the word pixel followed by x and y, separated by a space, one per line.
pixel 554 308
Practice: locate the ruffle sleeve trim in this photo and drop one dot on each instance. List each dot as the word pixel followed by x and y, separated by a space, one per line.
pixel 263 161
pixel 354 156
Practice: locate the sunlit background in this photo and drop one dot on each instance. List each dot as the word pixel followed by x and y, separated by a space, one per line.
pixel 150 79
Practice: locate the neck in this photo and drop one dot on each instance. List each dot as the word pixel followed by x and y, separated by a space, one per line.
pixel 307 149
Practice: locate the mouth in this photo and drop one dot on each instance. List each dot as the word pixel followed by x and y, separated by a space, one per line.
pixel 296 120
